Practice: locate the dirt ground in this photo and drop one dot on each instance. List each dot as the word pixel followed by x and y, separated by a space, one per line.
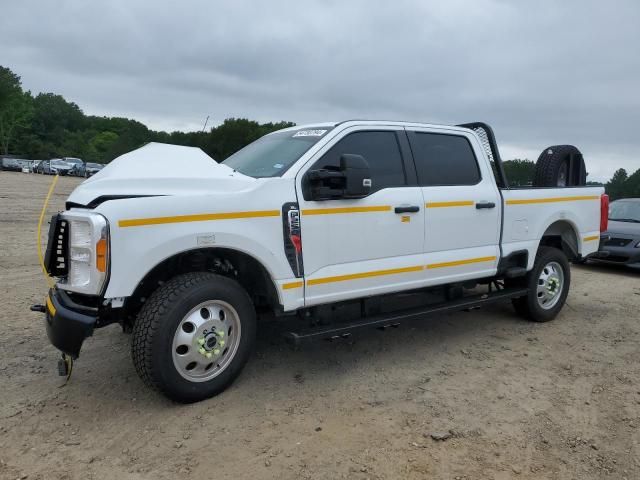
pixel 515 399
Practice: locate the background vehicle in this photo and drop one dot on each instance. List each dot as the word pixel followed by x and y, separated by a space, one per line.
pixel 620 244
pixel 334 227
pixel 77 166
pixel 11 164
pixel 55 166
pixel 92 169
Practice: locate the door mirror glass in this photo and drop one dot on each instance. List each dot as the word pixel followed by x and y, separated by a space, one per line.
pixel 357 175
pixel 351 180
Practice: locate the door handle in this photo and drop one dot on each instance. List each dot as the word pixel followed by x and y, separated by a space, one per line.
pixel 480 205
pixel 407 209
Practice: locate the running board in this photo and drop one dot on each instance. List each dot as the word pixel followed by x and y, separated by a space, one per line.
pixel 345 330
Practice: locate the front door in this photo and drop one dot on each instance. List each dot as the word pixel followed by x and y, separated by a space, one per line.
pixel 372 245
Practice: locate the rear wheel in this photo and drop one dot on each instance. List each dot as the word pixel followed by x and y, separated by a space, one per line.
pixel 193 336
pixel 548 284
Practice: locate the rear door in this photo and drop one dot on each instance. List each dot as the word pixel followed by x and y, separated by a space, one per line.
pixel 462 205
pixel 360 247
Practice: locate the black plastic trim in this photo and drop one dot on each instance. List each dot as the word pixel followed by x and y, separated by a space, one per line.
pixel 68 328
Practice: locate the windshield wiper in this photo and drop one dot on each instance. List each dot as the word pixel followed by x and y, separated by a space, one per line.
pixel 630 220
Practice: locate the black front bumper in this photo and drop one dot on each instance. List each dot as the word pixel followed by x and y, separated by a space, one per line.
pixel 68 323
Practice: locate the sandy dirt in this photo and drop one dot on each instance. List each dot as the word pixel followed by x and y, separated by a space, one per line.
pixel 505 398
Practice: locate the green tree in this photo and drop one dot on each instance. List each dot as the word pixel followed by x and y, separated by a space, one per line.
pixel 632 185
pixel 615 187
pixel 15 108
pixel 519 172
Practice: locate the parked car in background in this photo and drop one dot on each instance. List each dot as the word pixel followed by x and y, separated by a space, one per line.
pixel 77 166
pixel 621 242
pixel 11 164
pixel 92 169
pixel 55 166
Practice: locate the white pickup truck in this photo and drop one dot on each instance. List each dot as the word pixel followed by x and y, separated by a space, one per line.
pixel 322 225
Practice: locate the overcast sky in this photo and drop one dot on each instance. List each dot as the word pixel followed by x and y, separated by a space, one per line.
pixel 542 73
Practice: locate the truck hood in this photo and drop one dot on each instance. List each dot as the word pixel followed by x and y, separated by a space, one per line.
pixel 159 169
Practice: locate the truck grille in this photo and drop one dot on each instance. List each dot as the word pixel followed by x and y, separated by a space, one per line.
pixel 56 259
pixel 617 242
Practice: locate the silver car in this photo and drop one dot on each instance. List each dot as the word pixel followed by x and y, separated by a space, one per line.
pixel 620 244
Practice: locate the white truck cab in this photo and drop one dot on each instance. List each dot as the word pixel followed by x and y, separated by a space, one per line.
pixel 322 225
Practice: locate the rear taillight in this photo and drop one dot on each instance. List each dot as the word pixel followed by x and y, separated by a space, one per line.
pixel 604 212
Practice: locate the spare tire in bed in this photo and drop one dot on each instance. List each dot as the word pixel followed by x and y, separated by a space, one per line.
pixel 560 166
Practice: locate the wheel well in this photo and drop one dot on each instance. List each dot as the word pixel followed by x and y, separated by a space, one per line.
pixel 243 268
pixel 562 235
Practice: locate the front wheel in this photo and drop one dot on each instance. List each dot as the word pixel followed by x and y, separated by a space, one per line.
pixel 193 336
pixel 548 284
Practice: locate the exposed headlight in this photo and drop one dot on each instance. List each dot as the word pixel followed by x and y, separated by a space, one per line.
pixel 88 252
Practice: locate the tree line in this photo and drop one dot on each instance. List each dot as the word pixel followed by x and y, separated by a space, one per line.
pixel 622 185
pixel 48 126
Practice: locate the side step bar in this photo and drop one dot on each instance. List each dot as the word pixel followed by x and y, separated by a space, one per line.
pixel 344 330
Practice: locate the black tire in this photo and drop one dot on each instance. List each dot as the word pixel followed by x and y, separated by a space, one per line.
pixel 552 163
pixel 156 324
pixel 528 306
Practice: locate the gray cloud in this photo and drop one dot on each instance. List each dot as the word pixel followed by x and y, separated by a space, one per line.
pixel 542 72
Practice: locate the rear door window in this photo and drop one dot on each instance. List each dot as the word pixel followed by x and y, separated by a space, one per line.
pixel 443 159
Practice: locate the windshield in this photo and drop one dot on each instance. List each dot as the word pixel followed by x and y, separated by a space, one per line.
pixel 272 155
pixel 624 211
pixel 59 163
pixel 73 160
pixel 94 165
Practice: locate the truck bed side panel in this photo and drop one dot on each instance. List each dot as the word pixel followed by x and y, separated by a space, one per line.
pixel 528 213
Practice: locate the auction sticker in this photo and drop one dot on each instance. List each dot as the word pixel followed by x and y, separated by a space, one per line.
pixel 310 133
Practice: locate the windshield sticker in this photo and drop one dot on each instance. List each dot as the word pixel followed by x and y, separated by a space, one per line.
pixel 310 133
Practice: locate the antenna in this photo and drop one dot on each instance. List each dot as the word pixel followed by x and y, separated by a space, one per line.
pixel 205 123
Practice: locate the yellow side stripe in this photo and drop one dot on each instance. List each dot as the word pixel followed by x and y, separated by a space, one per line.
pixel 330 211
pixel 461 203
pixel 52 309
pixel 290 285
pixel 394 271
pixel 591 238
pixel 204 217
pixel 461 262
pixel 356 276
pixel 551 199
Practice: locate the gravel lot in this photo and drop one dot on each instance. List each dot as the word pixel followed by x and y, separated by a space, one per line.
pixel 504 398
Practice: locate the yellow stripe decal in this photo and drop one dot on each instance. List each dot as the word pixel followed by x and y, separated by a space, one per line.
pixel 461 203
pixel 591 238
pixel 461 262
pixel 290 285
pixel 394 271
pixel 330 211
pixel 50 307
pixel 204 217
pixel 356 276
pixel 551 200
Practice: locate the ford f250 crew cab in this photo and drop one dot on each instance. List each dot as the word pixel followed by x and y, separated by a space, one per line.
pixel 334 227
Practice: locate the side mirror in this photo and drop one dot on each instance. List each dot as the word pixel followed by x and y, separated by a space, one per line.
pixel 351 180
pixel 357 175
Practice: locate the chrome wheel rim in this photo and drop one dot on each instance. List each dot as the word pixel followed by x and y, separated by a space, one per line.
pixel 206 341
pixel 550 285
